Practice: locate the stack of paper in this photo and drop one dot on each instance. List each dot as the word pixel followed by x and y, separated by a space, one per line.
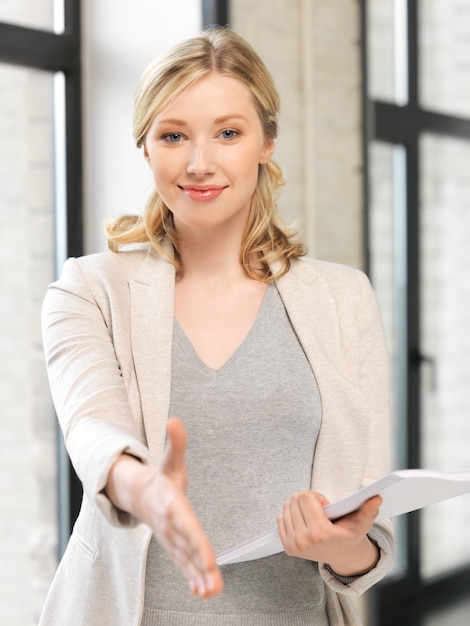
pixel 402 491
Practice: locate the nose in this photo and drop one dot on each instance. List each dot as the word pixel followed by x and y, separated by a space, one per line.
pixel 200 162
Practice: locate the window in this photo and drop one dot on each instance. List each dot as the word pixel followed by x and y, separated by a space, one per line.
pixel 41 14
pixel 417 154
pixel 40 224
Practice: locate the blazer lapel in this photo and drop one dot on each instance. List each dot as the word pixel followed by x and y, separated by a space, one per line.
pixel 312 310
pixel 313 313
pixel 152 311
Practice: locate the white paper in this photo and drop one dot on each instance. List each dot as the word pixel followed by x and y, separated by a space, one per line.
pixel 402 491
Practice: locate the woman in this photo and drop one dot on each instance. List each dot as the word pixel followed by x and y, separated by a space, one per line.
pixel 274 364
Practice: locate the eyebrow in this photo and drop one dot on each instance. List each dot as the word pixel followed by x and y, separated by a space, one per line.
pixel 172 122
pixel 232 116
pixel 218 120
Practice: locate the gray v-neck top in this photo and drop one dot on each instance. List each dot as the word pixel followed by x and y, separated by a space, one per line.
pixel 252 424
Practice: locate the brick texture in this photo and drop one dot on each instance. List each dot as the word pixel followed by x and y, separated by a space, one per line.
pixel 28 533
pixel 312 50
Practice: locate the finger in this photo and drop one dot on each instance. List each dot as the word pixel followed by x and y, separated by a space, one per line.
pixel 203 574
pixel 323 500
pixel 288 522
pixel 372 505
pixel 177 527
pixel 301 510
pixel 310 505
pixel 180 547
pixel 361 521
pixel 211 585
pixel 186 533
pixel 193 554
pixel 281 528
pixel 174 460
pixel 177 437
pixel 197 553
pixel 369 510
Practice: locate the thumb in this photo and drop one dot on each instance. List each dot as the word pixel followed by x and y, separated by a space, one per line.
pixel 372 506
pixel 174 461
pixel 364 517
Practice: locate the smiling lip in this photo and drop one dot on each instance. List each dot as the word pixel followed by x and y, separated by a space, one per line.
pixel 202 193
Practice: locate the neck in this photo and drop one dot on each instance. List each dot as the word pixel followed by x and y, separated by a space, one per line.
pixel 210 257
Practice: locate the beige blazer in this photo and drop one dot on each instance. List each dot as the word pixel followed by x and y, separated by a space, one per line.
pixel 107 327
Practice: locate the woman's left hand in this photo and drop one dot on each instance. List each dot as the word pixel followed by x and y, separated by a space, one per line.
pixel 307 533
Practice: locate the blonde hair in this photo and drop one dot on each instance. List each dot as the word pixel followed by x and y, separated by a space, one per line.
pixel 222 51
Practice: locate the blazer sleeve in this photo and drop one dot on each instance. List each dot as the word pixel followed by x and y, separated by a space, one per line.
pixel 374 381
pixel 87 387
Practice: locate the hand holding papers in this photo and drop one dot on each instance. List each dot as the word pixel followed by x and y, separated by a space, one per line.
pixel 402 491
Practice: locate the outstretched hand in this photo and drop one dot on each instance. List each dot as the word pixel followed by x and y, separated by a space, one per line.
pixel 157 497
pixel 174 521
pixel 307 532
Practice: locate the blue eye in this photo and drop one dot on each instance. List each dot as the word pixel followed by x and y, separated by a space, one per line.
pixel 173 137
pixel 229 134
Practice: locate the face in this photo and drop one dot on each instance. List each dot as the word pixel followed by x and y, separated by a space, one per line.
pixel 204 150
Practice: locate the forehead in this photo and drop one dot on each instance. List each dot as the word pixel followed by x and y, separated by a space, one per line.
pixel 213 93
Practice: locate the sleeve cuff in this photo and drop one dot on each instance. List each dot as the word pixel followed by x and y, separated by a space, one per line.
pixel 94 447
pixel 355 586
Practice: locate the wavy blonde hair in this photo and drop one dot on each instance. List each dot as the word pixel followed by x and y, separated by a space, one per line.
pixel 222 51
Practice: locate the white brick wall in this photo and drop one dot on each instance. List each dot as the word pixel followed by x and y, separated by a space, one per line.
pixel 444 54
pixel 31 13
pixel 273 28
pixel 444 254
pixel 312 51
pixel 380 42
pixel 27 424
pixel 445 232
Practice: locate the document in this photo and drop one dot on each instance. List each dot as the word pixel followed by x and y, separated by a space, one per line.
pixel 402 491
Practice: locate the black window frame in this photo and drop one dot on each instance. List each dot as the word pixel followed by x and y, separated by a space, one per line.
pixel 406 599
pixel 59 52
pixel 48 51
pixel 215 13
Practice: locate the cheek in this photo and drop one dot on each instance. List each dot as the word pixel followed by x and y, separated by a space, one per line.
pixel 163 161
pixel 162 184
pixel 245 165
pixel 162 171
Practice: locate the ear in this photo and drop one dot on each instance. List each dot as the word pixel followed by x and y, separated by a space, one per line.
pixel 268 150
pixel 146 154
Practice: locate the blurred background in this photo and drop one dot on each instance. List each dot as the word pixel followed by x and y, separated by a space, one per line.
pixel 375 147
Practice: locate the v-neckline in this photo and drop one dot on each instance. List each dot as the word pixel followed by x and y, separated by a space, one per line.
pixel 193 354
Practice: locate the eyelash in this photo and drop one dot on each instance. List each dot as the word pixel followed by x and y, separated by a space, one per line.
pixel 234 133
pixel 178 136
pixel 168 137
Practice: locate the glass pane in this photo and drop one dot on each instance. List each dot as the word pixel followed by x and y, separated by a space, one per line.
pixel 30 13
pixel 444 50
pixel 387 244
pixel 28 529
pixel 387 50
pixel 445 323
